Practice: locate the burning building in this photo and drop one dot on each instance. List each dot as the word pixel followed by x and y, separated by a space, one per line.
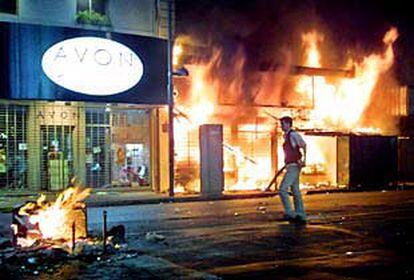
pixel 349 117
pixel 112 132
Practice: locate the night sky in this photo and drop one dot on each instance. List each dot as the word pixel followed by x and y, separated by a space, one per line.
pixel 265 28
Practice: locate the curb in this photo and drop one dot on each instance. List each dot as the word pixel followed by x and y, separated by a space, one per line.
pixel 129 202
pixel 143 201
pixel 176 200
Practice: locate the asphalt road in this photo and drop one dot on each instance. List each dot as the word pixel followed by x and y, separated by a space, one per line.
pixel 362 235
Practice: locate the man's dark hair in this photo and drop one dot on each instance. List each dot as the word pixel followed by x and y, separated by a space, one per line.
pixel 287 119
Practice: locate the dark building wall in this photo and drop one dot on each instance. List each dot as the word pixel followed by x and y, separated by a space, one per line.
pixel 133 15
pixel 47 11
pixel 373 161
pixel 406 159
pixel 411 100
pixel 146 17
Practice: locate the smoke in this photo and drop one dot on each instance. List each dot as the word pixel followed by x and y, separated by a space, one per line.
pixel 248 34
pixel 271 87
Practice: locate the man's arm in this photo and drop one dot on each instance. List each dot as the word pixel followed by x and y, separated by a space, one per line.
pixel 297 140
pixel 304 154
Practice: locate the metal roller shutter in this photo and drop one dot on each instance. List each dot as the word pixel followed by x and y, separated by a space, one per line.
pixel 13 146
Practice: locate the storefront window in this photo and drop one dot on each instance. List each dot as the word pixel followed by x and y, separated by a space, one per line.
pixel 98 6
pixel 117 147
pixel 52 145
pixel 8 6
pixel 98 143
pixel 13 146
pixel 131 148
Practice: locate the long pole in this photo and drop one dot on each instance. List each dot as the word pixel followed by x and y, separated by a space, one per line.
pixel 170 102
pixel 73 236
pixel 104 231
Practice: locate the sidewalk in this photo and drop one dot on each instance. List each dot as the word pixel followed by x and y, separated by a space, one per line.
pixel 104 198
pixel 108 197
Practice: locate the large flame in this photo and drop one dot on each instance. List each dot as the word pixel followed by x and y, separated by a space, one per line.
pixel 193 108
pixel 54 220
pixel 244 168
pixel 200 108
pixel 339 105
pixel 177 53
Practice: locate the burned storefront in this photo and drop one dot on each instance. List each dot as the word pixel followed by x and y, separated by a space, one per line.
pixel 348 116
pixel 80 105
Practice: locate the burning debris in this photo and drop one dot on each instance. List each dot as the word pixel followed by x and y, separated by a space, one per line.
pixel 60 222
pixel 186 174
pixel 154 237
pixel 46 235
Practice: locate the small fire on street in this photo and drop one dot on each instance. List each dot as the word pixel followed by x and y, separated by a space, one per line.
pixel 48 236
pixel 59 223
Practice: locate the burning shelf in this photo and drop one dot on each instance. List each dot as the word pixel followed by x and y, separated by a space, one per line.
pixel 310 71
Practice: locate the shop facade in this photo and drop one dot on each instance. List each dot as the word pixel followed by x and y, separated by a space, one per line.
pixel 81 107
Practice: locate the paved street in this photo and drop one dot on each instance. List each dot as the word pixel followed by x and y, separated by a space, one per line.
pixel 349 236
pixel 356 235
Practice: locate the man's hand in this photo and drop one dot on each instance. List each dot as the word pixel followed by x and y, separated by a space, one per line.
pixel 301 163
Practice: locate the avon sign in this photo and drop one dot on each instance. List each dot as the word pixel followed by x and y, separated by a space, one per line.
pixel 93 66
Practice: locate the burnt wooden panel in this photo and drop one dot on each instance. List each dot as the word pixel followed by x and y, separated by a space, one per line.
pixel 373 161
pixel 406 159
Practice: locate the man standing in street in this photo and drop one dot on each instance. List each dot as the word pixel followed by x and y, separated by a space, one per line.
pixel 294 161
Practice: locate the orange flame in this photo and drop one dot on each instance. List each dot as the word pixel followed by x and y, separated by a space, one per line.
pixel 55 219
pixel 340 105
pixel 310 41
pixel 202 107
pixel 194 109
pixel 177 53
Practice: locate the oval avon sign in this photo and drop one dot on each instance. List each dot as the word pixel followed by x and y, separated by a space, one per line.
pixel 93 66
